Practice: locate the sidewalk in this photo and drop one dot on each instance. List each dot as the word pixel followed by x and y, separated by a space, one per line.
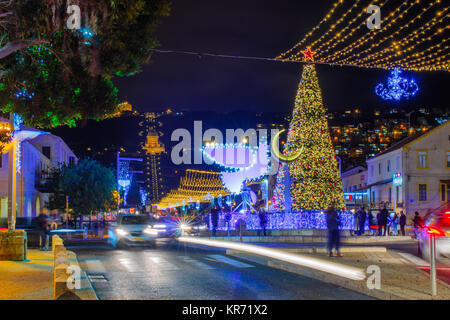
pixel 32 279
pixel 400 278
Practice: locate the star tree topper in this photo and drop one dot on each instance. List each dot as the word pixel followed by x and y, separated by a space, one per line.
pixel 309 54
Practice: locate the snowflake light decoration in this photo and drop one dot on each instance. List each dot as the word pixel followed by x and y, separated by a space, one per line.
pixel 397 87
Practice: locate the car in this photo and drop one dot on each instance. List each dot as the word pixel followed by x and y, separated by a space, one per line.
pixel 439 226
pixel 133 230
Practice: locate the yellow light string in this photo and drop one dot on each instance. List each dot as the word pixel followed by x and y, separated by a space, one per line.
pixel 371 35
pixel 428 58
pixel 308 35
pixel 333 42
pixel 434 63
pixel 397 53
pixel 404 61
pixel 403 42
pixel 318 41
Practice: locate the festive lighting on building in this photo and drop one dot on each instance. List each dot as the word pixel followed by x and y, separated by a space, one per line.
pixel 397 87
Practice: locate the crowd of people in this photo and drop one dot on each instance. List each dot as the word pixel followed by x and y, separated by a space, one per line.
pixel 384 223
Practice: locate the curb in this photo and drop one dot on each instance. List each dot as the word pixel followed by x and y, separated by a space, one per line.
pixel 87 291
pixel 311 239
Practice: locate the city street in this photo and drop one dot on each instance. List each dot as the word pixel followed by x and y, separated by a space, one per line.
pixel 172 271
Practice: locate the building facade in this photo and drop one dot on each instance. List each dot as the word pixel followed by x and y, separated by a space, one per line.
pixel 414 174
pixel 37 156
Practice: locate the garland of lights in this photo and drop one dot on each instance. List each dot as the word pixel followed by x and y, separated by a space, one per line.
pixel 412 37
pixel 397 87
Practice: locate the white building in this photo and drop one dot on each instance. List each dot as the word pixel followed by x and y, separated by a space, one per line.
pixel 354 183
pixel 37 156
pixel 414 174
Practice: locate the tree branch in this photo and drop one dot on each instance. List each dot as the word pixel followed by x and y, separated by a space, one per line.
pixel 18 45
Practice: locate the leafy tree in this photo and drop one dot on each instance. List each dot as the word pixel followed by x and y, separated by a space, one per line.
pixel 55 76
pixel 90 186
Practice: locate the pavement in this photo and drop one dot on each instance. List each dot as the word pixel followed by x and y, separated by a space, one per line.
pixel 175 271
pixel 28 280
pixel 32 279
pixel 403 275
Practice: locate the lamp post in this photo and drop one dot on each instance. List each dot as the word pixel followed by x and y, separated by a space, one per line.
pixel 12 178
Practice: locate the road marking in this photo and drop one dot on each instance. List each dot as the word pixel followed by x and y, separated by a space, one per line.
pixel 415 260
pixel 95 266
pixel 129 265
pixel 164 264
pixel 97 278
pixel 235 263
pixel 197 263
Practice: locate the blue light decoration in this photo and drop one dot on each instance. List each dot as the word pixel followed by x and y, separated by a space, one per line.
pixel 240 162
pixel 307 219
pixel 124 178
pixel 397 87
pixel 85 32
pixel 143 195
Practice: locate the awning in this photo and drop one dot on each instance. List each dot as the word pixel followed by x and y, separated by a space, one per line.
pixel 373 185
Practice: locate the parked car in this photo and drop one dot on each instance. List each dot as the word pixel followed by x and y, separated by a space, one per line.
pixel 439 226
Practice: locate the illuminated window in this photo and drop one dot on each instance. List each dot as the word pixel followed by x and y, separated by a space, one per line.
pixel 422 159
pixel 423 192
pixel 447 156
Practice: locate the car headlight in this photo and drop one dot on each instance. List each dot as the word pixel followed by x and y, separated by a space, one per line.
pixel 159 226
pixel 150 231
pixel 121 232
pixel 185 227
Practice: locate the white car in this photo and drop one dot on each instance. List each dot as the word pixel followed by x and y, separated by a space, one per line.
pixel 439 226
pixel 132 230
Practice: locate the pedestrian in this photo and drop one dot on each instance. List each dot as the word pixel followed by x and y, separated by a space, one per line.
pixel 214 219
pixel 228 221
pixel 263 221
pixel 43 228
pixel 418 223
pixel 393 224
pixel 402 222
pixel 383 221
pixel 333 232
pixel 356 223
pixel 371 223
pixel 362 220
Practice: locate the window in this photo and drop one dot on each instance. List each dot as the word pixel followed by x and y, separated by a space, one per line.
pixel 389 166
pixel 443 192
pixel 379 168
pixel 423 192
pixel 390 195
pixel 397 163
pixel 371 171
pixel 373 197
pixel 447 158
pixel 422 159
pixel 46 151
pixel 397 194
pixel 71 161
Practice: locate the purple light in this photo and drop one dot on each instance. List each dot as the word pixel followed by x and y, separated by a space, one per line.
pixel 286 221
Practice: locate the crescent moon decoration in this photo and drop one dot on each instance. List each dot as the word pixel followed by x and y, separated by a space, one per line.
pixel 278 154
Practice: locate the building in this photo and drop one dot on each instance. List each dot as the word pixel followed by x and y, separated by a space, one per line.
pixel 36 157
pixel 354 182
pixel 153 149
pixel 413 174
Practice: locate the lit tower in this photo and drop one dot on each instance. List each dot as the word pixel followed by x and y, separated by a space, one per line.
pixel 153 149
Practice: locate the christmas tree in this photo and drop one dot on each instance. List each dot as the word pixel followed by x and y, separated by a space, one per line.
pixel 312 180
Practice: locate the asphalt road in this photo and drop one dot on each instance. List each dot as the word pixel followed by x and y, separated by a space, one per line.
pixel 173 271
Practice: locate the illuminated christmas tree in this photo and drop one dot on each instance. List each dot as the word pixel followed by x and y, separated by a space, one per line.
pixel 312 180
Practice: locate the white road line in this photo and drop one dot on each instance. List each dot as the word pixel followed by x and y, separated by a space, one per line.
pixel 95 266
pixel 164 264
pixel 235 263
pixel 415 260
pixel 197 263
pixel 129 265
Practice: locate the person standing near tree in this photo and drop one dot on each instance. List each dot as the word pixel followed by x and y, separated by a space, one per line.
pixel 362 220
pixel 384 214
pixel 356 223
pixel 333 232
pixel 263 221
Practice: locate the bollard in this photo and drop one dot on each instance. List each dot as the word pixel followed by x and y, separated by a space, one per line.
pixel 433 264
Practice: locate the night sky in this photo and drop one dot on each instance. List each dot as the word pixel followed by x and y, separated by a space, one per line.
pixel 253 28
